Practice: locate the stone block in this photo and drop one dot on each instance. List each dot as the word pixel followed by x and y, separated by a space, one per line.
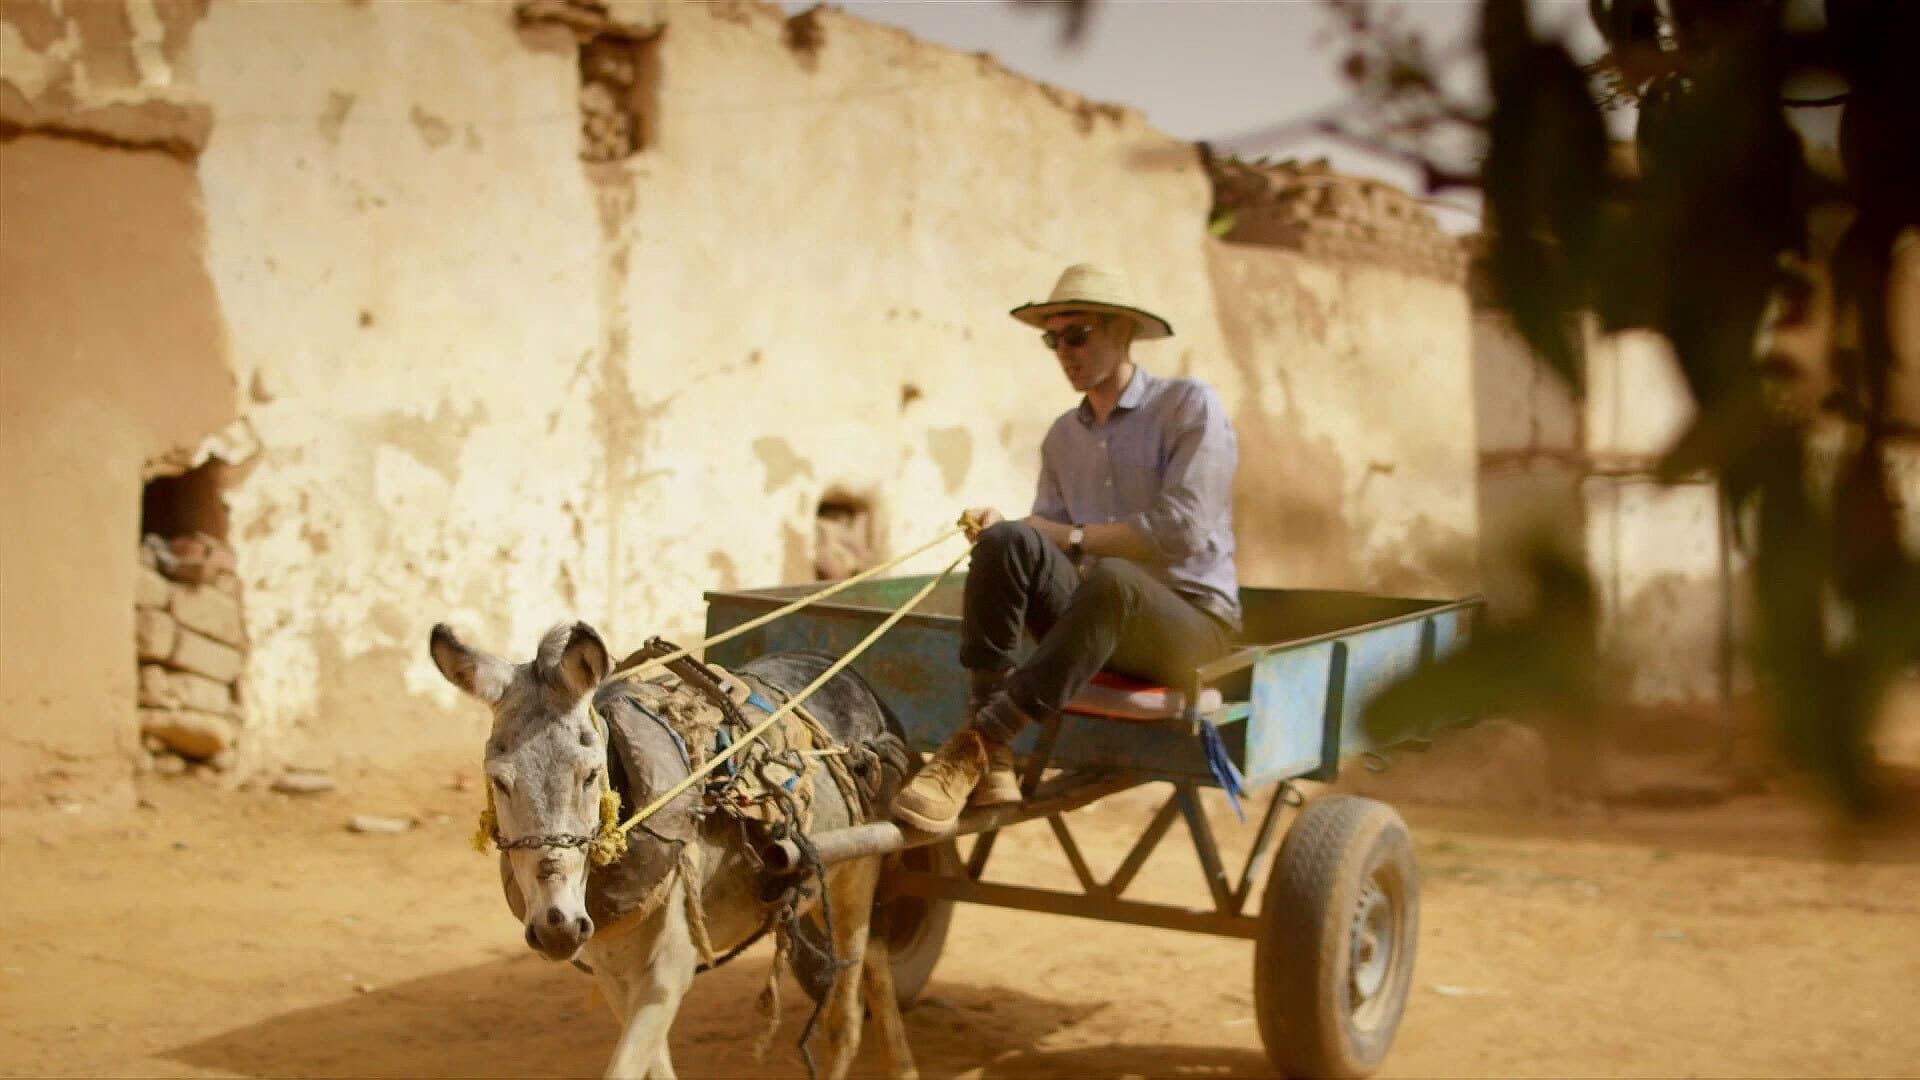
pixel 156 690
pixel 203 655
pixel 154 634
pixel 150 590
pixel 210 611
pixel 201 694
pixel 190 734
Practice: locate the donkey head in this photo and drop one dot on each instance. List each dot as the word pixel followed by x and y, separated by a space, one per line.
pixel 544 760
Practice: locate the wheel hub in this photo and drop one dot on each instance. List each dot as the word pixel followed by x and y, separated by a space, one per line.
pixel 1372 944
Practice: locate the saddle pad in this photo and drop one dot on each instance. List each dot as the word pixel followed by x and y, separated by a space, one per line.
pixel 1112 696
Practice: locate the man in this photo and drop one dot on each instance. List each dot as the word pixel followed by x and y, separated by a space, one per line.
pixel 1126 561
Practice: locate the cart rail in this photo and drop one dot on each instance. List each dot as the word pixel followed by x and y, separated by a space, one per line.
pixel 1295 693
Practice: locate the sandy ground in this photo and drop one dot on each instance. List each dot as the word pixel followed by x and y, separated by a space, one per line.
pixel 219 933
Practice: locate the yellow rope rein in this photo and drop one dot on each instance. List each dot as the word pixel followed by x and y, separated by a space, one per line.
pixel 793 702
pixel 610 838
pixel 788 609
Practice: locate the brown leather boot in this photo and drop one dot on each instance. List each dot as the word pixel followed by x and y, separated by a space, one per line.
pixel 933 801
pixel 1001 784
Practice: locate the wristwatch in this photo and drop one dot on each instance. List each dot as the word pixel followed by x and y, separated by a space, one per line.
pixel 1075 538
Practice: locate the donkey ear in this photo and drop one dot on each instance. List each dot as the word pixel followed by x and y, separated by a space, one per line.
pixel 583 663
pixel 481 674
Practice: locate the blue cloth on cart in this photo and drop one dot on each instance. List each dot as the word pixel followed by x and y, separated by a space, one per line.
pixel 1220 763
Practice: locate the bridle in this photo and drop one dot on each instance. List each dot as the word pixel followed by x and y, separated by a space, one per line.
pixel 603 846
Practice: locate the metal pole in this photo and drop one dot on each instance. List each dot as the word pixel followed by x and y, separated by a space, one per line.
pixel 837 846
pixel 1057 795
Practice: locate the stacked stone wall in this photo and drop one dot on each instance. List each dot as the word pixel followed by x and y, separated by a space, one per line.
pixel 190 641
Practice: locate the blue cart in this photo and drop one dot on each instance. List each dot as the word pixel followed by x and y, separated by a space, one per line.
pixel 1336 932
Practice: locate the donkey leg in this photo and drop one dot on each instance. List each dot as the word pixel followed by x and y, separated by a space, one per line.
pixel 851 887
pixel 653 969
pixel 876 974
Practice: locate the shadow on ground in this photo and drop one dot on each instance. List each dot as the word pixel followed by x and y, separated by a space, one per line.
pixel 524 1017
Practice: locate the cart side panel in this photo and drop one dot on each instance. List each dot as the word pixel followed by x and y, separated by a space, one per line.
pixel 1149 751
pixel 1375 660
pixel 915 669
pixel 1383 657
pixel 1285 730
pixel 1310 701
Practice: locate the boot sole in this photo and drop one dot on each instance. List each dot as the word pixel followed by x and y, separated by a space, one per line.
pixel 985 798
pixel 922 823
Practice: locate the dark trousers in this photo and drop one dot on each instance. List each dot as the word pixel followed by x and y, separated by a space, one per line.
pixel 1117 617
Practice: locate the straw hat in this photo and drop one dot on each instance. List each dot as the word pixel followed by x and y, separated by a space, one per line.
pixel 1085 287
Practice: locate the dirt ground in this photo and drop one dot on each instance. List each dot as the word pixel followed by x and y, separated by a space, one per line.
pixel 216 933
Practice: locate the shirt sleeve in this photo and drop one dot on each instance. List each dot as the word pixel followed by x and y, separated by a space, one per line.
pixel 1049 498
pixel 1196 484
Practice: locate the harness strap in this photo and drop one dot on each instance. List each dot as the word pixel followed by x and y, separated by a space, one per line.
pixel 827 749
pixel 680 744
pixel 759 729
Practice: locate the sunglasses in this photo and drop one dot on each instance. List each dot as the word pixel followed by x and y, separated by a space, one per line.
pixel 1075 336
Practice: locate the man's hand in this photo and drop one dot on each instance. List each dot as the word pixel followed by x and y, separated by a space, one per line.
pixel 978 520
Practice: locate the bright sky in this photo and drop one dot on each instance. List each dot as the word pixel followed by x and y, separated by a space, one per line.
pixel 1226 71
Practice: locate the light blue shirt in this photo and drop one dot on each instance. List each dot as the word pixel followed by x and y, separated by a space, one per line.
pixel 1163 463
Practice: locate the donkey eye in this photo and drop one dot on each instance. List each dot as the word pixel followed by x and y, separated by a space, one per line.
pixel 500 785
pixel 593 777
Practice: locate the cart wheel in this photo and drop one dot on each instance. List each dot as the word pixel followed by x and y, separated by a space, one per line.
pixel 916 932
pixel 1338 931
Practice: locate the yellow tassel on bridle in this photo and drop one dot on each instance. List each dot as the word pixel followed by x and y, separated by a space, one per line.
pixel 609 843
pixel 489 825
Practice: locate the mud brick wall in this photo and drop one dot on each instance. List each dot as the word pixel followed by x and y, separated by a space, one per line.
pixel 1313 210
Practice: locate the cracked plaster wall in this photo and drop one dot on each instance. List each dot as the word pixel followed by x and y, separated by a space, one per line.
pixel 1355 422
pixel 113 356
pixel 497 386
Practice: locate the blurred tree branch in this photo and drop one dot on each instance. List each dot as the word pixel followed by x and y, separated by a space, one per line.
pixel 1795 342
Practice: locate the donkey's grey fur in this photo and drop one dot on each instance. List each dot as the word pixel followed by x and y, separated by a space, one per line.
pixel 543 757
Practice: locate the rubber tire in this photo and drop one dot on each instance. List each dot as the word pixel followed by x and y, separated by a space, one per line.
pixel 1302 963
pixel 916 933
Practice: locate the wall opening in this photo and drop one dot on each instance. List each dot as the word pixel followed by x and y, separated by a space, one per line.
pixel 190 639
pixel 188 503
pixel 845 536
pixel 619 74
pixel 619 86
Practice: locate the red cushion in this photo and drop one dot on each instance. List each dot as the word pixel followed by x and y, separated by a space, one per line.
pixel 1113 696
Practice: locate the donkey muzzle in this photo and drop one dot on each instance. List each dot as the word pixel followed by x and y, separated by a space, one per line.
pixel 556 936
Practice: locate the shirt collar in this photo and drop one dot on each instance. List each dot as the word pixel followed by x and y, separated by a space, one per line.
pixel 1130 398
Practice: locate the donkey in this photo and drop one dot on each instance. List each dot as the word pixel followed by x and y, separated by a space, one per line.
pixel 546 762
